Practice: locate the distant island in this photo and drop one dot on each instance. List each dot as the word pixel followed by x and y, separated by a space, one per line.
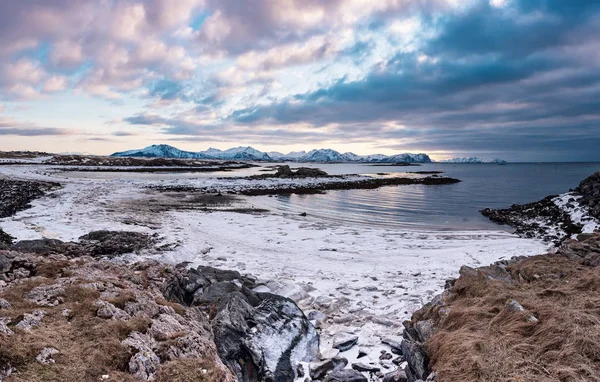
pixel 249 153
pixel 473 160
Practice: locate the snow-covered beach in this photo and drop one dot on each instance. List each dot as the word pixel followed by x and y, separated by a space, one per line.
pixel 350 280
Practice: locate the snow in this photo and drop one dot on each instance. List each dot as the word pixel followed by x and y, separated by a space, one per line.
pixel 579 215
pixel 365 279
pixel 249 153
pixel 473 160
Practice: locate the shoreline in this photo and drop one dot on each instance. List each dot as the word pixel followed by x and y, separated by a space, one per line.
pixel 351 280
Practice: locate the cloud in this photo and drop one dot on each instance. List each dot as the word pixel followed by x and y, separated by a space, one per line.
pixel 9 126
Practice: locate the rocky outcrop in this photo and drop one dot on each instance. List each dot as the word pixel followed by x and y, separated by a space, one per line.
pixel 552 217
pixel 99 318
pixel 15 195
pixel 542 219
pixel 423 346
pixel 95 244
pixel 260 336
pixel 589 189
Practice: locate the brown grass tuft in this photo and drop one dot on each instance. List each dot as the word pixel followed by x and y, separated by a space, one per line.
pixel 191 370
pixel 481 340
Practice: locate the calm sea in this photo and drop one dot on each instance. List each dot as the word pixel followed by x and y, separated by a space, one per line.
pixel 424 207
pixel 436 207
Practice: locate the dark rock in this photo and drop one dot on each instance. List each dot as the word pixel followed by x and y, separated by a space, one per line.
pixel 299 371
pixel 213 292
pixel 362 353
pixel 398 360
pixel 5 240
pixel 394 345
pixel 245 336
pixel 345 343
pixel 589 189
pixel 417 358
pixel 15 195
pixel 310 172
pixel 39 246
pixel 319 370
pixel 538 219
pixel 345 376
pixel 358 366
pixel 303 214
pixel 396 376
pixel 95 244
pixel 284 170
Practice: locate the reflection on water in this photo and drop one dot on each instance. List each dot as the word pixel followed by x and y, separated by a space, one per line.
pixel 453 206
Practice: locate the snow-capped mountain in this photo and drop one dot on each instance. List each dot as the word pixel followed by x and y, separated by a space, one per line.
pixel 322 155
pixel 251 154
pixel 160 151
pixel 238 153
pixel 473 160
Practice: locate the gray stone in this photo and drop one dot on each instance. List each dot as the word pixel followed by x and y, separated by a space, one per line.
pixel 319 370
pixel 417 359
pixel 359 366
pixel 395 376
pixel 45 356
pixel 31 320
pixel 4 304
pixel 345 343
pixel 345 376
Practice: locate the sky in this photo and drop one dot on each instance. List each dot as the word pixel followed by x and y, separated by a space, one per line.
pixel 513 79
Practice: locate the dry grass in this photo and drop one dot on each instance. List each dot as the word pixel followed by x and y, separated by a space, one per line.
pixel 89 346
pixel 480 340
pixel 190 370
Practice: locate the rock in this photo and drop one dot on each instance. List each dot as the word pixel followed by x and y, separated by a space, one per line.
pixel 358 366
pixel 346 376
pixel 143 364
pixel 45 357
pixel 310 172
pixel 39 246
pixel 45 295
pixel 319 370
pixel 31 320
pixel 4 304
pixel 393 344
pixel 213 292
pixel 345 343
pixel 107 310
pixel 417 359
pixel 4 329
pixel 303 214
pixel 5 240
pixel 299 370
pixel 5 264
pixel 395 376
pixel 165 327
pixel 284 171
pixel 362 353
pixel 385 356
pixel 245 335
pixel 514 307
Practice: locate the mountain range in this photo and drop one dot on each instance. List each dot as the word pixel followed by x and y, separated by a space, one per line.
pixel 473 160
pixel 249 153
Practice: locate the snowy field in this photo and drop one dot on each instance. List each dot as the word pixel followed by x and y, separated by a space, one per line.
pixel 352 280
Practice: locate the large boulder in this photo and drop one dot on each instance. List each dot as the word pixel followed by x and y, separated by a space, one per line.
pixel 260 336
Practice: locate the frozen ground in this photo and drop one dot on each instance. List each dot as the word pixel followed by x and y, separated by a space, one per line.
pixel 358 280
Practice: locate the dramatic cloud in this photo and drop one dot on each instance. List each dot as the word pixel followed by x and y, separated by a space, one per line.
pixel 514 78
